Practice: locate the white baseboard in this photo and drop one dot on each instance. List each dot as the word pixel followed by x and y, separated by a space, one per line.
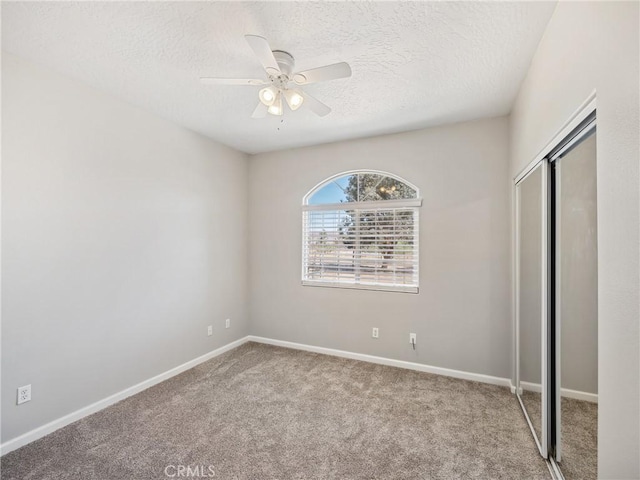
pixel 51 427
pixel 476 377
pixel 530 387
pixel 54 425
pixel 578 395
pixel 565 392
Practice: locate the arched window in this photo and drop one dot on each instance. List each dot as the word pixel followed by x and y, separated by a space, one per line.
pixel 360 230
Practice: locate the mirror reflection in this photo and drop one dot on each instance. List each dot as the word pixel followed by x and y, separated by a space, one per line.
pixel 575 173
pixel 530 217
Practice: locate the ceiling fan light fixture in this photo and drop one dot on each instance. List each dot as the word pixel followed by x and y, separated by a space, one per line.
pixel 280 75
pixel 268 96
pixel 276 107
pixel 294 99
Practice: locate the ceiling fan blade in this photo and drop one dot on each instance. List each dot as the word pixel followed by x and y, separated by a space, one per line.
pixel 315 105
pixel 231 81
pixel 261 48
pixel 320 74
pixel 260 111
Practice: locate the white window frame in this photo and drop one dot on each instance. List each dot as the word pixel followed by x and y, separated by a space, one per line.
pixel 413 204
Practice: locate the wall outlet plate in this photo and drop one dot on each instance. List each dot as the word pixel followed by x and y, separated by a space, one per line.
pixel 412 339
pixel 374 332
pixel 24 394
pixel 210 330
pixel 227 323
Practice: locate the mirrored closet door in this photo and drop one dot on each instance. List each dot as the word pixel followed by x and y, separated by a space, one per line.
pixel 557 303
pixel 575 315
pixel 531 278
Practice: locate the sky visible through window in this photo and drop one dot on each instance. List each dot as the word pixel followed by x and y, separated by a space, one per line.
pixel 370 186
pixel 333 192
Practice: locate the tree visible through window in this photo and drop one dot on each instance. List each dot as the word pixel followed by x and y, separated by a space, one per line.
pixel 361 230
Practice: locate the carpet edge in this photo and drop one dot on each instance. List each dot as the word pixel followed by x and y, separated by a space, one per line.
pixel 52 426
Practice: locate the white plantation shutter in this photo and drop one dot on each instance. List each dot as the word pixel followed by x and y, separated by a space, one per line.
pixel 370 245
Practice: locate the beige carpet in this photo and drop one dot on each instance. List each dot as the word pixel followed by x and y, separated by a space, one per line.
pixel 262 412
pixel 579 440
pixel 579 435
pixel 533 403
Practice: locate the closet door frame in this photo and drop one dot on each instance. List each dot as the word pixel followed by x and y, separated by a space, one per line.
pixel 556 446
pixel 551 427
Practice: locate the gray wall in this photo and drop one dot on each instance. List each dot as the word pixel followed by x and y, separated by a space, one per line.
pixel 123 237
pixel 587 46
pixel 461 315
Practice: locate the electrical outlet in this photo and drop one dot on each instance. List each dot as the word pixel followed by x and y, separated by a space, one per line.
pixel 210 330
pixel 374 333
pixel 412 339
pixel 24 394
pixel 227 323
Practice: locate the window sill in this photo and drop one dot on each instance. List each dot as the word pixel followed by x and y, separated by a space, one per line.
pixel 357 286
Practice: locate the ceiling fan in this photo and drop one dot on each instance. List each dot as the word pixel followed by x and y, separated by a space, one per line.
pixel 281 80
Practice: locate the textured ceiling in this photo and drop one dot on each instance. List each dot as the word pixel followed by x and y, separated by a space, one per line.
pixel 414 64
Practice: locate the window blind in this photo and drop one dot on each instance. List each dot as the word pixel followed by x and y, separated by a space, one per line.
pixel 363 247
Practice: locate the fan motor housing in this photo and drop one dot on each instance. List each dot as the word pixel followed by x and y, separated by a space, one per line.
pixel 285 62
